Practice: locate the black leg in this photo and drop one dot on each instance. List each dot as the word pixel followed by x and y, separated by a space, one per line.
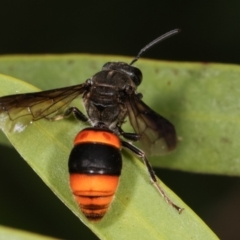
pixel 153 178
pixel 72 110
pixel 129 136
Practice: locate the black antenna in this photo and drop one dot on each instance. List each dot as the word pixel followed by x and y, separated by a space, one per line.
pixel 157 40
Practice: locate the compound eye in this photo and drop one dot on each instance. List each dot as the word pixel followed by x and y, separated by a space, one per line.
pixel 136 76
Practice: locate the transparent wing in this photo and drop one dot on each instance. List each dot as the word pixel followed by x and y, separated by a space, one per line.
pixel 158 135
pixel 17 111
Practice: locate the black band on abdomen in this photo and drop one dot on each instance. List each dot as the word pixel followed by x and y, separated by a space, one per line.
pixel 95 158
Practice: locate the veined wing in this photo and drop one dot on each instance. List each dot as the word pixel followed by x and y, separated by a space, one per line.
pixel 21 109
pixel 158 135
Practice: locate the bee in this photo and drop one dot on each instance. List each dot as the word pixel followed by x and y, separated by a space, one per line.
pixel 109 97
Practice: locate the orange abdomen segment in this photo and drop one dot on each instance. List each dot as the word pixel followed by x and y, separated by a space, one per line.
pixel 93 193
pixel 97 136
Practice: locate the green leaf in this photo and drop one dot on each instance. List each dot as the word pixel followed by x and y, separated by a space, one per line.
pixel 138 210
pixel 201 100
pixel 15 234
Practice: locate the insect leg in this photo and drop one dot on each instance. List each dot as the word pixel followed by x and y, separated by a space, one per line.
pixel 153 178
pixel 130 136
pixel 72 110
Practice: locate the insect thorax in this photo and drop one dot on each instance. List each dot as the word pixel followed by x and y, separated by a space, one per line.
pixel 105 101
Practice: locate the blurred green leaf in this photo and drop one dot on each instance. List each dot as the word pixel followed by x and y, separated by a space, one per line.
pixel 15 234
pixel 137 211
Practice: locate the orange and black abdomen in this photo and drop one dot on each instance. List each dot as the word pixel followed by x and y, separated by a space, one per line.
pixel 95 165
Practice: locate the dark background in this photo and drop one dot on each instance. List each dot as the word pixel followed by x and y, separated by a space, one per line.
pixel 210 33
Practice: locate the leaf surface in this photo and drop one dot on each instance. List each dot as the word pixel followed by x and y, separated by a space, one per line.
pixel 138 212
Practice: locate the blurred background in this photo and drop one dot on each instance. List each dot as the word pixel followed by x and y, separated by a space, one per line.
pixel 210 33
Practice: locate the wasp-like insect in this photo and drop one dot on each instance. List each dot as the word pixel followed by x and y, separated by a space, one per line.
pixel 109 97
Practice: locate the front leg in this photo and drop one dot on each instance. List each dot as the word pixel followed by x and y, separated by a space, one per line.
pixel 72 110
